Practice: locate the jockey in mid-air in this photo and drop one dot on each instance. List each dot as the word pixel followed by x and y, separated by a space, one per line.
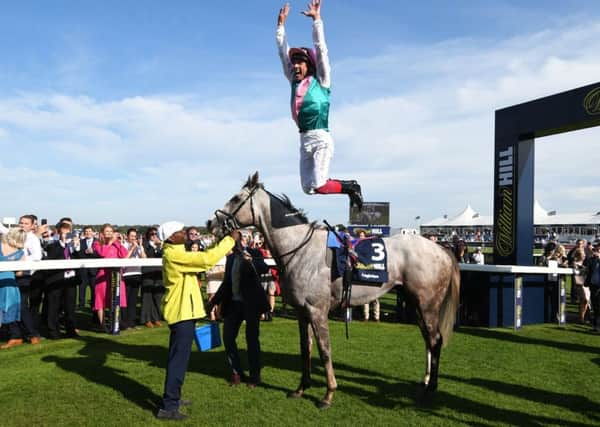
pixel 308 71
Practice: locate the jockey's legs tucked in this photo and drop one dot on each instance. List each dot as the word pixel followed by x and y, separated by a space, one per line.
pixel 316 151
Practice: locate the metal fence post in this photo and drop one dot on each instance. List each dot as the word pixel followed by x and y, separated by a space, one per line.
pixel 518 289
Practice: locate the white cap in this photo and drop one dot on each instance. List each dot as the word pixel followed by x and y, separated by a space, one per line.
pixel 167 229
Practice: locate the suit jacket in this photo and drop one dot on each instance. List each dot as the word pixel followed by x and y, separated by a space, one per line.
pixel 56 251
pixel 83 254
pixel 592 265
pixel 152 275
pixel 253 294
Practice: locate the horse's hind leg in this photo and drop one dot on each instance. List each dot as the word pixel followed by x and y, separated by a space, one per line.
pixel 305 351
pixel 436 351
pixel 429 326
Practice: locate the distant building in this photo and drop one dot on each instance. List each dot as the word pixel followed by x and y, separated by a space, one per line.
pixel 471 225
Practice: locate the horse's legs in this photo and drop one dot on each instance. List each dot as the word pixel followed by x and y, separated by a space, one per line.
pixel 305 352
pixel 429 326
pixel 425 334
pixel 321 331
pixel 427 365
pixel 436 351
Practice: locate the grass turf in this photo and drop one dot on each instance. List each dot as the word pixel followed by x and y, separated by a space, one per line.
pixel 541 375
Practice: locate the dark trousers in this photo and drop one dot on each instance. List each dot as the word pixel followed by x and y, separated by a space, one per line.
pixel 36 296
pixel 25 328
pixel 595 300
pixel 88 280
pixel 237 313
pixel 132 289
pixel 551 298
pixel 180 347
pixel 151 300
pixel 59 295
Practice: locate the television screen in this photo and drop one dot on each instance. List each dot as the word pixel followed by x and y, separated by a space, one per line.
pixel 373 213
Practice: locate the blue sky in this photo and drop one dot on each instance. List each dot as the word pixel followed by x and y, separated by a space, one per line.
pixel 140 112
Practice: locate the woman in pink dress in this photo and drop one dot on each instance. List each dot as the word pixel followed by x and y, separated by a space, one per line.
pixel 109 246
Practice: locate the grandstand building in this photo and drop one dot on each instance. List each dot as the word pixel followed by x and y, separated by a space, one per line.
pixel 469 224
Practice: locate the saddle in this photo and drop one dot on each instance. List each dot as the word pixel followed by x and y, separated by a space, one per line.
pixel 369 260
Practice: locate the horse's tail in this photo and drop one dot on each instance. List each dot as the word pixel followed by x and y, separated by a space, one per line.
pixel 450 304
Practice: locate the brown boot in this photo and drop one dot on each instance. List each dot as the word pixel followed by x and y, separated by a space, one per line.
pixel 35 340
pixel 12 343
pixel 149 324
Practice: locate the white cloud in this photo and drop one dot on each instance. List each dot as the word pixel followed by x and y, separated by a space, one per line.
pixel 413 124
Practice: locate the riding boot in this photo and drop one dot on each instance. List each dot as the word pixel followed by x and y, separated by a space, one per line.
pixel 352 189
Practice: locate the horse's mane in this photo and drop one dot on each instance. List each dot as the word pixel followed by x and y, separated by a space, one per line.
pixel 287 203
pixel 283 199
pixel 252 183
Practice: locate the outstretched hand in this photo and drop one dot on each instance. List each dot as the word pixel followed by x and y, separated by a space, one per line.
pixel 283 14
pixel 314 10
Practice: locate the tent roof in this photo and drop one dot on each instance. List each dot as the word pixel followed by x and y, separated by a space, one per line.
pixel 469 217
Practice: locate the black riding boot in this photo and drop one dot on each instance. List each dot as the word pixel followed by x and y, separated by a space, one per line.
pixel 352 189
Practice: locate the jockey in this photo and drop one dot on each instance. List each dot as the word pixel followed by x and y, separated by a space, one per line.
pixel 308 71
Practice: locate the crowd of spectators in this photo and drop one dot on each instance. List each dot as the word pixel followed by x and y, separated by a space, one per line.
pixel 46 301
pixel 584 258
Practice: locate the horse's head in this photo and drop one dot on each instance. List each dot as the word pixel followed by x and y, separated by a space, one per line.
pixel 238 211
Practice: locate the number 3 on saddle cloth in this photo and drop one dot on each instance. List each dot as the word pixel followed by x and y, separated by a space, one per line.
pixel 370 265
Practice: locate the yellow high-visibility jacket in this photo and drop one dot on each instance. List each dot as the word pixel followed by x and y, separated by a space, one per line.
pixel 182 300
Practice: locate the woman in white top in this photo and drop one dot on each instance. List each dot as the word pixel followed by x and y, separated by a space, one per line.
pixel 132 277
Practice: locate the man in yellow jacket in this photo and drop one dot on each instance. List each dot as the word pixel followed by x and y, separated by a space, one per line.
pixel 182 305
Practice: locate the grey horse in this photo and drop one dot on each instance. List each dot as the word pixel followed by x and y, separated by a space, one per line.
pixel 428 273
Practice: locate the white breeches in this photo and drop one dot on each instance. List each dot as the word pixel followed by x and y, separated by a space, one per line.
pixel 316 151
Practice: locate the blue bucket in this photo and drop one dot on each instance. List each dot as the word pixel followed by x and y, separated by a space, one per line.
pixel 208 336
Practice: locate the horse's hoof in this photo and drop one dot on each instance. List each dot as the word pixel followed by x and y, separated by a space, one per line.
pixel 425 393
pixel 323 404
pixel 295 394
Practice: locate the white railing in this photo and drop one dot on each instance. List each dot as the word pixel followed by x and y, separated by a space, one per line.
pixel 72 264
pixel 514 269
pixel 157 262
pixel 517 270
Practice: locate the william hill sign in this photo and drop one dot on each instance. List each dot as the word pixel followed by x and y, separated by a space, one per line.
pixel 591 103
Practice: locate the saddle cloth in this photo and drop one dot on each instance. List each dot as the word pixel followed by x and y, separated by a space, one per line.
pixel 371 264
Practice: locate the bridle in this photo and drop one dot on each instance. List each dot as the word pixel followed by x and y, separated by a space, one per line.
pixel 230 222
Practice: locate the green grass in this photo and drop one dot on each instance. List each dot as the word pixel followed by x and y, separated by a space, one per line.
pixel 541 375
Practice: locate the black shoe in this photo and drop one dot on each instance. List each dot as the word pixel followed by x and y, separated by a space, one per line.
pixel 73 334
pixel 185 402
pixel 253 382
pixel 174 415
pixel 352 189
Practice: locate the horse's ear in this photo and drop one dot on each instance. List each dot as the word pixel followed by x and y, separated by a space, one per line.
pixel 252 181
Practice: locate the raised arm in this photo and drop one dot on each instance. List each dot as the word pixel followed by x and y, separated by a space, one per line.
pixel 323 66
pixel 191 262
pixel 282 44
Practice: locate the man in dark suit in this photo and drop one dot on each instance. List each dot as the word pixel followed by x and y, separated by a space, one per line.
pixel 88 275
pixel 243 298
pixel 61 285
